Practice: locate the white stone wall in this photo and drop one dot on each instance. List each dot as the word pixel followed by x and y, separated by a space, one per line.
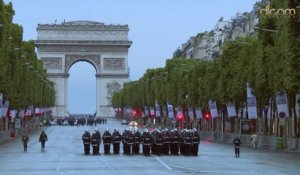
pixel 104 108
pixel 82 35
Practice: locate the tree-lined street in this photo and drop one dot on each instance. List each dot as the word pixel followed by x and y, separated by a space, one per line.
pixel 64 155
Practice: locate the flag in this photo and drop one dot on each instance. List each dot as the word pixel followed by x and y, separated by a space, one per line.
pixel 199 113
pixel 21 113
pixel 157 109
pixel 4 109
pixel 36 110
pixel 282 108
pixel 298 105
pixel 191 112
pixel 213 108
pixel 146 111
pixel 170 111
pixel 231 109
pixel 13 113
pixel 152 112
pixel 251 103
pixel 1 99
pixel 128 111
pixel 179 111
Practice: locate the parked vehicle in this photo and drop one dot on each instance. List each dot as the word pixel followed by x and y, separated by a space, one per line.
pixel 124 122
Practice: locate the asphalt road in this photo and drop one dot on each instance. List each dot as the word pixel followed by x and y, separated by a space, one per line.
pixel 64 155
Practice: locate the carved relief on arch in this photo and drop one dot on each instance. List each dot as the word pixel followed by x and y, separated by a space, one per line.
pixel 73 58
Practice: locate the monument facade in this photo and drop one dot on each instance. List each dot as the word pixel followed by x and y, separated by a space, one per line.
pixel 105 47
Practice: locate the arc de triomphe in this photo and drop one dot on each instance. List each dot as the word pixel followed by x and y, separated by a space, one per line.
pixel 104 46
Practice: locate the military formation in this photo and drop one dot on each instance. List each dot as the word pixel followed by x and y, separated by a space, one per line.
pixel 183 142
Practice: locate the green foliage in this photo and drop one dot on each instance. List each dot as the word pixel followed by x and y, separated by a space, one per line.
pixel 269 62
pixel 23 80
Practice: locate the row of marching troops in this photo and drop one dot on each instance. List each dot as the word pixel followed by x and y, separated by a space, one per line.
pixel 185 142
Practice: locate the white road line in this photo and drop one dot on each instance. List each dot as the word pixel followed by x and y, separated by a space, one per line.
pixel 59 164
pixel 107 164
pixel 163 163
pixel 181 167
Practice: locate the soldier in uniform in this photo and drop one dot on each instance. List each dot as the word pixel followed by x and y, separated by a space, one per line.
pixel 181 143
pixel 153 145
pixel 86 138
pixel 116 139
pixel 158 142
pixel 175 138
pixel 195 142
pixel 106 137
pixel 146 141
pixel 96 140
pixel 166 142
pixel 124 139
pixel 129 142
pixel 187 142
pixel 137 141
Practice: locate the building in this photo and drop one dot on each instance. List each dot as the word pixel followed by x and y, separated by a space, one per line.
pixel 208 45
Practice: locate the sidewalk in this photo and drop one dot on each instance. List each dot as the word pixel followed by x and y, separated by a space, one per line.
pixel 6 138
pixel 291 145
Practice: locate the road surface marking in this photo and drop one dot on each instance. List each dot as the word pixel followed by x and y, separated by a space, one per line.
pixel 163 163
pixel 107 164
pixel 186 168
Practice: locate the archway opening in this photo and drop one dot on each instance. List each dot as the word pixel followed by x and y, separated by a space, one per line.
pixel 82 88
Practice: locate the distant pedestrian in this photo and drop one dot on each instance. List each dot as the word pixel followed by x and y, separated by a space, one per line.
pixel 237 144
pixel 12 135
pixel 43 139
pixel 25 140
pixel 254 140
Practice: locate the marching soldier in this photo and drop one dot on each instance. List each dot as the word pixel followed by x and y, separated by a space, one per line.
pixel 129 142
pixel 166 142
pixel 116 139
pixel 86 138
pixel 96 140
pixel 187 142
pixel 153 146
pixel 124 139
pixel 181 143
pixel 137 141
pixel 106 137
pixel 195 142
pixel 175 138
pixel 158 142
pixel 146 141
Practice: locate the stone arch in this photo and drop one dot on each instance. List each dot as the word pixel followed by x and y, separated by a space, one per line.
pixel 94 60
pixel 105 47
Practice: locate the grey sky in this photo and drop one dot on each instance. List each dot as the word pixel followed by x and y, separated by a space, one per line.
pixel 157 28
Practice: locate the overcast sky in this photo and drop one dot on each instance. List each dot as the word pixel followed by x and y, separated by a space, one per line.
pixel 157 28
